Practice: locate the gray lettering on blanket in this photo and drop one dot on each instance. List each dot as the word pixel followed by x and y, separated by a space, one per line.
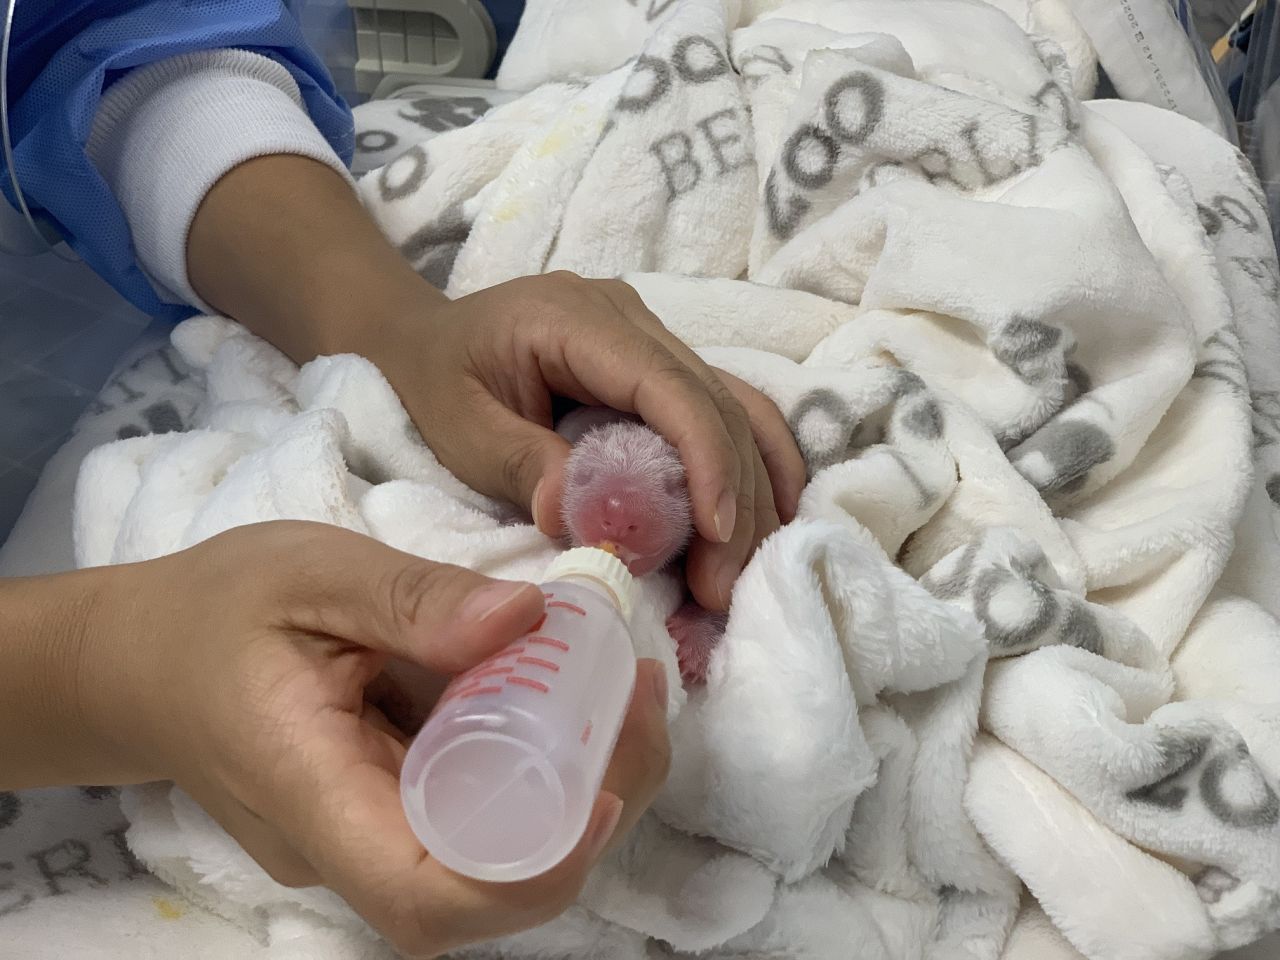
pixel 990 173
pixel 675 156
pixel 99 793
pixel 783 223
pixel 1235 790
pixel 1229 208
pixel 1052 92
pixel 1213 883
pixel 724 132
pixel 907 384
pixel 1263 272
pixel 809 157
pixel 403 175
pixel 1249 179
pixel 1266 418
pixel 1231 784
pixel 699 60
pixel 1223 361
pixel 1022 345
pixel 375 141
pixel 1059 456
pixel 1080 629
pixel 924 419
pixel 656 8
pixel 637 100
pixel 1078 382
pixel 130 394
pixel 161 417
pixel 1015 610
pixel 1209 220
pixel 853 107
pixel 978 168
pixel 719 140
pixel 924 494
pixel 133 867
pixel 176 368
pixel 439 114
pixel 10 808
pixel 770 59
pixel 954 583
pixel 65 860
pixel 12 906
pixel 434 248
pixel 1179 753
pixel 823 426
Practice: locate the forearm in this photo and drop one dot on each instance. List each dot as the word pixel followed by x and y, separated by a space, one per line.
pixel 282 244
pixel 50 733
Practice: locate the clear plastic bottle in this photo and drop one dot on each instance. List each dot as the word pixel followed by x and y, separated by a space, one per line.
pixel 500 782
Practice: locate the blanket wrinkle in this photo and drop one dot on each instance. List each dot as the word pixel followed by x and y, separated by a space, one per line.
pixel 1008 685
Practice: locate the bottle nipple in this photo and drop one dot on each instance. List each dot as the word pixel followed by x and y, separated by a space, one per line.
pixel 602 567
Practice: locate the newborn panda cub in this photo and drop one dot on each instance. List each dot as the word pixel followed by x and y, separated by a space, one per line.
pixel 625 491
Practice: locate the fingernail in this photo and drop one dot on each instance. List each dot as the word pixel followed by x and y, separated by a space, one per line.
pixel 607 822
pixel 726 513
pixel 489 599
pixel 533 507
pixel 660 686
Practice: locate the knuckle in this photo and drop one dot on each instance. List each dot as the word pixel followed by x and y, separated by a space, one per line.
pixel 519 467
pixel 406 587
pixel 653 760
pixel 734 413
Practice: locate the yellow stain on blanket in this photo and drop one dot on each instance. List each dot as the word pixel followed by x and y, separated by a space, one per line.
pixel 508 211
pixel 167 909
pixel 552 143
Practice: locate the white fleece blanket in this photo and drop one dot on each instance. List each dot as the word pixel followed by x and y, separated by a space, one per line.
pixel 1023 634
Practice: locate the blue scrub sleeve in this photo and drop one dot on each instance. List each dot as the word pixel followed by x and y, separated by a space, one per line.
pixel 65 53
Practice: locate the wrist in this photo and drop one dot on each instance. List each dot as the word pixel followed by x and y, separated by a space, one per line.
pixel 50 698
pixel 283 245
pixel 364 302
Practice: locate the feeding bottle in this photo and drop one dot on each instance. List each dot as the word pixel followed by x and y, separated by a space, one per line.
pixel 500 782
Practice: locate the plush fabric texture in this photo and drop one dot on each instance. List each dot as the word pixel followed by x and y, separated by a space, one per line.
pixel 1018 652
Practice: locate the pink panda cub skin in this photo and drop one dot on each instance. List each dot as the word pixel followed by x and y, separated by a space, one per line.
pixel 625 490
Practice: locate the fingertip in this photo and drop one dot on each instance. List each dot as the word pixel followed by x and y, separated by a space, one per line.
pixel 491 617
pixel 548 495
pixel 726 515
pixel 702 570
pixel 604 823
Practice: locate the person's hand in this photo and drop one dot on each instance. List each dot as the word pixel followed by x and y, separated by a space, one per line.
pixel 478 376
pixel 238 669
pixel 282 244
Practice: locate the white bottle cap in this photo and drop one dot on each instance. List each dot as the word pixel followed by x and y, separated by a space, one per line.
pixel 601 566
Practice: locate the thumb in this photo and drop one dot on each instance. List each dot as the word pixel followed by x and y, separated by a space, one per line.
pixel 527 461
pixel 443 617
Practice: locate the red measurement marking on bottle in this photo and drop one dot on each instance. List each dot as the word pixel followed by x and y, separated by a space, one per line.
pixel 548 642
pixel 586 733
pixel 459 690
pixel 494 672
pixel 531 684
pixel 539 662
pixel 560 604
pixel 542 620
pixel 479 691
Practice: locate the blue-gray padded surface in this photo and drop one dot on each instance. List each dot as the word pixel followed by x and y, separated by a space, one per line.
pixel 61 331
